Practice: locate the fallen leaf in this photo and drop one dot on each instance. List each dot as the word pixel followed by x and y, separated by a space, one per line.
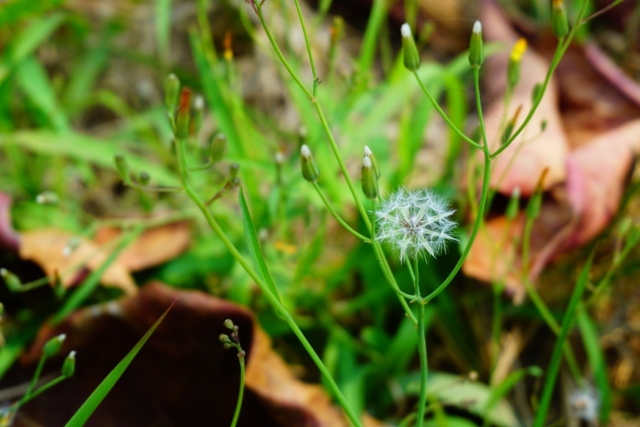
pixel 9 239
pixel 182 376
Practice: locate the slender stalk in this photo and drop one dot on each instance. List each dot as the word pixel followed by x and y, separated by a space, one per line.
pixel 422 350
pixel 486 178
pixel 236 414
pixel 443 114
pixel 337 217
pixel 34 380
pixel 42 389
pixel 280 309
pixel 316 80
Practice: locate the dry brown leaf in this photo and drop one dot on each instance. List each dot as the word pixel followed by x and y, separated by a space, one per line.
pixel 182 376
pixel 155 246
pixel 46 247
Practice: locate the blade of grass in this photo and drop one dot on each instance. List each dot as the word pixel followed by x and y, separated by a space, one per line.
pixel 254 245
pixel 163 24
pixel 556 357
pixel 98 395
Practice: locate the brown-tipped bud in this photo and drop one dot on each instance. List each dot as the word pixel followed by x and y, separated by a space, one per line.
pixel 69 365
pixel 13 282
pixel 410 55
pixel 144 178
pixel 171 90
pixel 513 70
pixel 511 124
pixel 227 43
pixel 183 117
pixel 476 49
pixel 559 21
pixel 368 153
pixel 53 345
pixel 310 170
pixel 228 324
pixel 218 147
pixel 514 204
pixel 337 30
pixel 369 179
pixel 122 166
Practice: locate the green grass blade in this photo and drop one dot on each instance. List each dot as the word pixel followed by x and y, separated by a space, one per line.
pixel 597 362
pixel 98 395
pixel 163 24
pixel 556 357
pixel 254 246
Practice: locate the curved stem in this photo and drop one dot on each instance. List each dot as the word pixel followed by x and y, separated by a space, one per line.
pixel 316 81
pixel 483 195
pixel 280 309
pixel 236 414
pixel 443 114
pixel 34 380
pixel 337 217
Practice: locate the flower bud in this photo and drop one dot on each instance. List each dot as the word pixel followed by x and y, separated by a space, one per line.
pixel 144 178
pixel 69 365
pixel 309 168
pixel 171 90
pixel 234 169
pixel 513 70
pixel 336 31
pixel 13 282
pixel 218 147
pixel 511 124
pixel 476 51
pixel 47 198
pixel 198 114
pixel 410 53
pixel 514 204
pixel 559 21
pixel 53 345
pixel 183 119
pixel 369 179
pixel 374 163
pixel 122 166
pixel 224 338
pixel 228 324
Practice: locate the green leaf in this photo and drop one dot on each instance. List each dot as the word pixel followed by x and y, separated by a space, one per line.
pixel 254 246
pixel 163 24
pixel 98 395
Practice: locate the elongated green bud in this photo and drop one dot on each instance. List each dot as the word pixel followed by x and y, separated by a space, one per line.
pixel 559 21
pixel 309 168
pixel 514 204
pixel 69 365
pixel 218 147
pixel 513 70
pixel 511 124
pixel 369 179
pixel 171 90
pixel 234 169
pixel 183 118
pixel 476 50
pixel 144 178
pixel 122 166
pixel 13 282
pixel 374 163
pixel 410 53
pixel 53 345
pixel 198 115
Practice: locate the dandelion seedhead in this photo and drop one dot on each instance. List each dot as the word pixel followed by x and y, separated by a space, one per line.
pixel 414 222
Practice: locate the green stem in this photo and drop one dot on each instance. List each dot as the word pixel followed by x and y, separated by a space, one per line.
pixel 443 114
pixel 422 351
pixel 316 80
pixel 280 309
pixel 337 217
pixel 40 390
pixel 34 380
pixel 236 414
pixel 486 178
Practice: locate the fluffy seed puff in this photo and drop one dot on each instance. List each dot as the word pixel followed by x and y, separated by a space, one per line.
pixel 414 222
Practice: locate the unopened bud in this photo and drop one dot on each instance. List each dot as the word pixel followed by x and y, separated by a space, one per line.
pixel 171 90
pixel 198 114
pixel 53 345
pixel 559 21
pixel 69 365
pixel 228 324
pixel 309 168
pixel 337 30
pixel 513 71
pixel 511 124
pixel 514 204
pixel 374 163
pixel 122 166
pixel 218 147
pixel 47 198
pixel 234 169
pixel 224 338
pixel 369 179
pixel 410 54
pixel 13 282
pixel 476 50
pixel 183 118
pixel 144 178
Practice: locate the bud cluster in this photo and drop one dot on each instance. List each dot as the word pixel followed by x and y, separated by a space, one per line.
pixel 232 340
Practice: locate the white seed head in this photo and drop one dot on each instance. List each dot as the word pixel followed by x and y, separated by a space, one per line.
pixel 414 222
pixel 305 151
pixel 62 337
pixel 477 27
pixel 405 30
pixel 366 162
pixel 367 151
pixel 585 403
